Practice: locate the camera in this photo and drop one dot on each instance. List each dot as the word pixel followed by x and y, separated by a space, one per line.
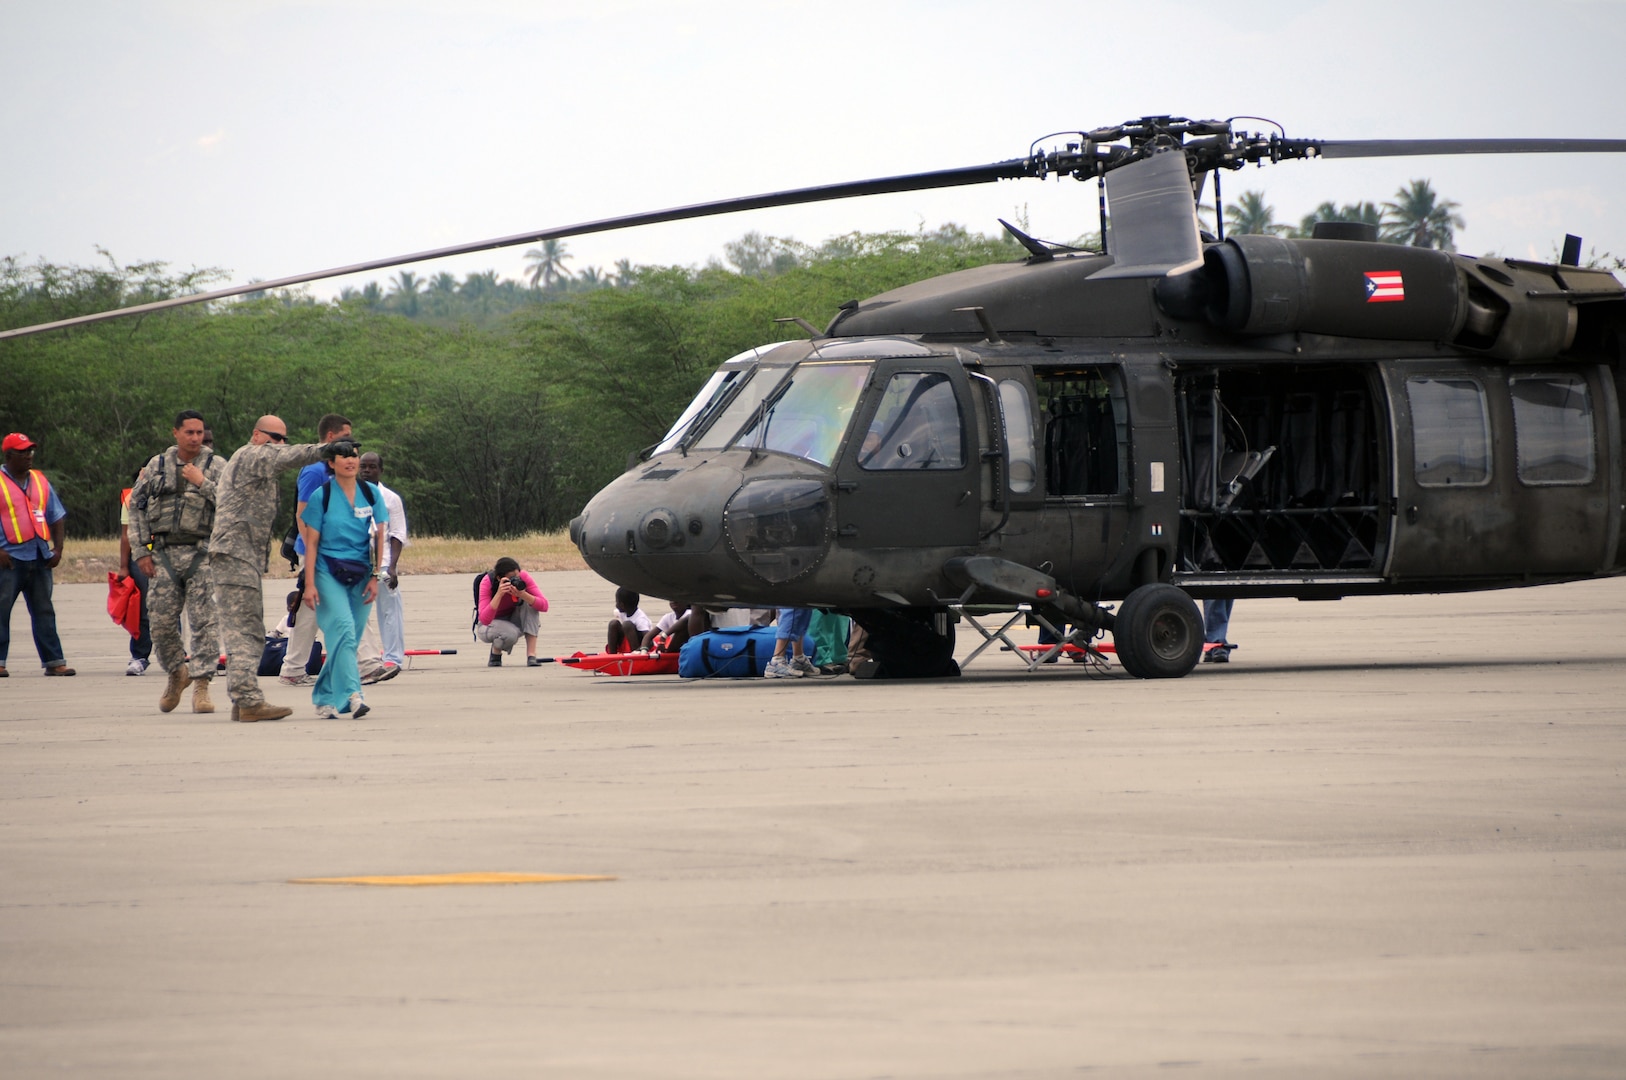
pixel 514 580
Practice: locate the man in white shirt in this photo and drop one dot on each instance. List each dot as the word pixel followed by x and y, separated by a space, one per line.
pixel 390 612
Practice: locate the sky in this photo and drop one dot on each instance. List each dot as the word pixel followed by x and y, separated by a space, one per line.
pixel 273 137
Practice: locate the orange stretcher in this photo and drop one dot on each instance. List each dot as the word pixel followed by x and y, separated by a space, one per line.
pixel 627 663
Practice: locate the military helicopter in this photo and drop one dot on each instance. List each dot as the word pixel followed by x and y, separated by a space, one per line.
pixel 1101 437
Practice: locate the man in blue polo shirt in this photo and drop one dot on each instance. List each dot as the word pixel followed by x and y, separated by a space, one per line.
pixel 330 428
pixel 31 537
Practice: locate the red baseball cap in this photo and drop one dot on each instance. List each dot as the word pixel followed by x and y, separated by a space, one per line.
pixel 18 441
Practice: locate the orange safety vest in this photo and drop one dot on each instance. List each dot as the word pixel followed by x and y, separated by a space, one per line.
pixel 21 518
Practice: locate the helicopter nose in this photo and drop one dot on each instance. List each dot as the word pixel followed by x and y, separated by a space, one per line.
pixel 779 527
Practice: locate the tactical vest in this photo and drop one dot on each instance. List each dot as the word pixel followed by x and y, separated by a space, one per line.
pixel 176 511
pixel 21 518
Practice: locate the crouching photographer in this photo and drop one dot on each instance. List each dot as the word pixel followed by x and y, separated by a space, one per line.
pixel 508 604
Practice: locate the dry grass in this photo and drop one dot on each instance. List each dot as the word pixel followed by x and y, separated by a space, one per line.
pixel 92 560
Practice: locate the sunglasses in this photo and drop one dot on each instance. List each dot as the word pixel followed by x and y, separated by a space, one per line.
pixel 274 436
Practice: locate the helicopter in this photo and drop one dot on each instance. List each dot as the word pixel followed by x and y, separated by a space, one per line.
pixel 1104 438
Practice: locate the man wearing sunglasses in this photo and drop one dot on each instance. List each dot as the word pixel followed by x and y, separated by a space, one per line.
pixel 246 498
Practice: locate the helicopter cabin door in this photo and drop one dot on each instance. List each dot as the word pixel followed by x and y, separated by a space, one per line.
pixel 910 473
pixel 1501 471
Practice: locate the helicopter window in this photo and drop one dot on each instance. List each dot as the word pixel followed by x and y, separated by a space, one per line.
pixel 734 414
pixel 711 395
pixel 810 414
pixel 916 426
pixel 1023 466
pixel 1450 431
pixel 1085 447
pixel 1552 425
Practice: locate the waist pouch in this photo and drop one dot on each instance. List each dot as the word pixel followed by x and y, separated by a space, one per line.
pixel 731 652
pixel 347 571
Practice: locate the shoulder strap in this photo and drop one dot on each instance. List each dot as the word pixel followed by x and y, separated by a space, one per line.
pixel 327 492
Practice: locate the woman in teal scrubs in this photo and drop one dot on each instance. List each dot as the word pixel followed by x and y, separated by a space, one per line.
pixel 346 517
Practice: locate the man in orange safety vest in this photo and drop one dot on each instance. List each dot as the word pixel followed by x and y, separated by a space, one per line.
pixel 31 537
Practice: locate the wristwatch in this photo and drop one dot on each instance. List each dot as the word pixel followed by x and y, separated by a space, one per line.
pixel 381 574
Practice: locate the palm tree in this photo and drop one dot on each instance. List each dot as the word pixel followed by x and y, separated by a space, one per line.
pixel 404 295
pixel 478 288
pixel 548 263
pixel 625 274
pixel 1419 217
pixel 1249 214
pixel 591 277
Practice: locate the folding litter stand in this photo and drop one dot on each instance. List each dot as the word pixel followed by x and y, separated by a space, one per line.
pixel 1029 656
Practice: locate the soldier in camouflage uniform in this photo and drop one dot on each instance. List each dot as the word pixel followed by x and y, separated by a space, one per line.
pixel 239 549
pixel 172 513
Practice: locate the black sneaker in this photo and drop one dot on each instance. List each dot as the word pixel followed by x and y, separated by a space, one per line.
pixel 1219 654
pixel 495 661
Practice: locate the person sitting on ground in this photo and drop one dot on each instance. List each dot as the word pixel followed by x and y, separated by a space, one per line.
pixel 631 629
pixel 510 605
pixel 677 626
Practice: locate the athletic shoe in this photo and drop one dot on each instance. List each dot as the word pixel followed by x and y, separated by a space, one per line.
pixel 358 708
pixel 326 712
pixel 302 679
pixel 533 661
pixel 136 666
pixel 803 666
pixel 779 668
pixel 495 661
pixel 1219 654
pixel 390 671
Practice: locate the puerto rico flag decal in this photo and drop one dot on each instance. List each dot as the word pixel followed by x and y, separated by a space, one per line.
pixel 1383 286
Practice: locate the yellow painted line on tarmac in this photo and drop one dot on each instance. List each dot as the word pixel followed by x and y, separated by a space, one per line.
pixel 474 878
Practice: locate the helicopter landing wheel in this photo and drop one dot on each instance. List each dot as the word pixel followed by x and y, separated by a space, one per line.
pixel 1158 633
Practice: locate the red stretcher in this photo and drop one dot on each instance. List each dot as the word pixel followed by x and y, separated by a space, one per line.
pixel 1100 647
pixel 627 663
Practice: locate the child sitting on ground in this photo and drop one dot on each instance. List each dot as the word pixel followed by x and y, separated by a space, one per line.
pixel 680 624
pixel 631 629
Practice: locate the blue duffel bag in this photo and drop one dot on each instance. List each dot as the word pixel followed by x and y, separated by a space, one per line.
pixel 730 652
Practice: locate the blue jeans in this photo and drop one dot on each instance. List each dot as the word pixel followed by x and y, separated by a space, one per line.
pixel 31 578
pixel 141 647
pixel 1216 620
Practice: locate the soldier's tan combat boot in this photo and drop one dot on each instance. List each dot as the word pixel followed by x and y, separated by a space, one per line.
pixel 200 696
pixel 248 714
pixel 178 680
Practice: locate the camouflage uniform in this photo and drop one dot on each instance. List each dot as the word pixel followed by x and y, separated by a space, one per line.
pixel 246 500
pixel 175 519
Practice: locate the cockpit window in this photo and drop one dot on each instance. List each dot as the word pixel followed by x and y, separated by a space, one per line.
pixel 916 426
pixel 810 413
pixel 740 409
pixel 733 374
pixel 711 395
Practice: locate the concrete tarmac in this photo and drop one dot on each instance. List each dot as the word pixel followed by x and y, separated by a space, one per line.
pixel 1388 839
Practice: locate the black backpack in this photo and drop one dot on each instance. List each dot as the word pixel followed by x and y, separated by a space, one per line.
pixel 481 576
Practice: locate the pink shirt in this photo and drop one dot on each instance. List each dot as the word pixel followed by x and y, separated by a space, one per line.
pixel 504 608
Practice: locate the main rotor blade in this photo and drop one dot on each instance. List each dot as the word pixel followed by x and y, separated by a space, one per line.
pixel 976 174
pixel 1368 148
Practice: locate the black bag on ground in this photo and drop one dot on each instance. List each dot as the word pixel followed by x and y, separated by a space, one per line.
pixel 276 650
